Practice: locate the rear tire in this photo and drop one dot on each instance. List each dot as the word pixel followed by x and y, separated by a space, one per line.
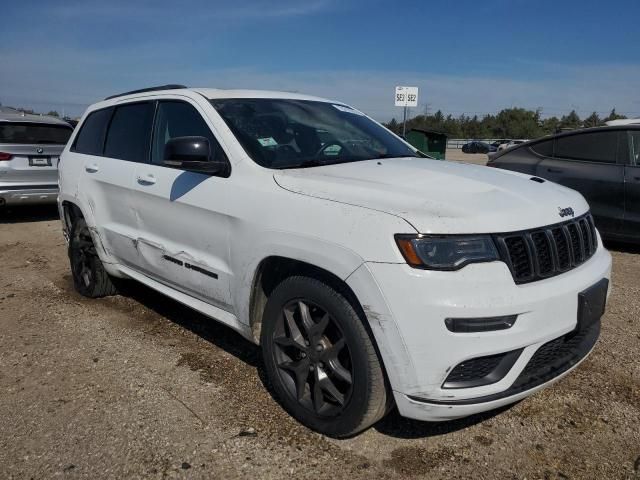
pixel 90 279
pixel 320 359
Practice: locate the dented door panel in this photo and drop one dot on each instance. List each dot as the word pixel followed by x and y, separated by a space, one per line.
pixel 181 242
pixel 106 185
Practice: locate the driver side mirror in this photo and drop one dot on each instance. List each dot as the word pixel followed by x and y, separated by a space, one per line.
pixel 194 155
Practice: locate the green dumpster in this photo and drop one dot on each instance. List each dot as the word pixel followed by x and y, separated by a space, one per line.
pixel 432 143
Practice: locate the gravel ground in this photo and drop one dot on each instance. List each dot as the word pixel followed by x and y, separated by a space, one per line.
pixel 137 386
pixel 456 154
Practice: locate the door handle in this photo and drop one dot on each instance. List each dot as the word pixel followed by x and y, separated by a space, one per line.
pixel 93 168
pixel 554 170
pixel 146 179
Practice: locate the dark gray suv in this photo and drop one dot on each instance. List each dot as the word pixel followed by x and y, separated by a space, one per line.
pixel 602 163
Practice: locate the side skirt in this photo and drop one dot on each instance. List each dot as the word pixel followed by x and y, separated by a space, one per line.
pixel 207 309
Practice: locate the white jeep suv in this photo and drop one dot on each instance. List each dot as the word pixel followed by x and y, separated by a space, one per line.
pixel 370 275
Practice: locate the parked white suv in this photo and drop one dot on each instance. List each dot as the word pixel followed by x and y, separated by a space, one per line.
pixel 370 276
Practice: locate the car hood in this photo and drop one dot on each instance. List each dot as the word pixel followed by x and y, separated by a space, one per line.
pixel 438 196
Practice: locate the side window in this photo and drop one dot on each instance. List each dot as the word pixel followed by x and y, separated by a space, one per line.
pixel 129 133
pixel 591 147
pixel 634 144
pixel 543 148
pixel 179 119
pixel 90 139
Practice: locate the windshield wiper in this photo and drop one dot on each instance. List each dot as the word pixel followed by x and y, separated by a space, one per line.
pixel 389 155
pixel 314 162
pixel 305 164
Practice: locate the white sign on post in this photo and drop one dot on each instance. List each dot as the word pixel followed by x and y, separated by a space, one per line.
pixel 406 96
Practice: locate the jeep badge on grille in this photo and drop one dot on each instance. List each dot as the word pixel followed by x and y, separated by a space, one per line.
pixel 565 212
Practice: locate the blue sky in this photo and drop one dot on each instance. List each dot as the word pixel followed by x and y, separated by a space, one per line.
pixel 466 56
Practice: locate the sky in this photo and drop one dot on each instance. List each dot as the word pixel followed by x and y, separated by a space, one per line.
pixel 466 56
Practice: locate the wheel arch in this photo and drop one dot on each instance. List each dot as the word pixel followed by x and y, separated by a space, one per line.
pixel 272 270
pixel 70 211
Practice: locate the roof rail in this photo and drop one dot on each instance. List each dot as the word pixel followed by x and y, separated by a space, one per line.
pixel 150 89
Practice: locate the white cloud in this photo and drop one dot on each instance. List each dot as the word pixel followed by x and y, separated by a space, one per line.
pixel 188 11
pixel 77 78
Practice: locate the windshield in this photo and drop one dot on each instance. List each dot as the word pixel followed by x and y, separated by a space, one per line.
pixel 30 133
pixel 279 133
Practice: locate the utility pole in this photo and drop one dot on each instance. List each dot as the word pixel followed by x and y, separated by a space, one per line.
pixel 404 122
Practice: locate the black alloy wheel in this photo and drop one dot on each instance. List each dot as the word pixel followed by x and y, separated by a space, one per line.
pixel 320 358
pixel 313 358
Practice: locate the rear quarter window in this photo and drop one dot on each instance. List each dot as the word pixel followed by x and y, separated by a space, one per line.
pixel 590 147
pixel 90 139
pixel 34 133
pixel 544 149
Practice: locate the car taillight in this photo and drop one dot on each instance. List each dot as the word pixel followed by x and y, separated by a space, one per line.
pixel 5 156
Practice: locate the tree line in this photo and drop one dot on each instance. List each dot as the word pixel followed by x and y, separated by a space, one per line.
pixel 508 123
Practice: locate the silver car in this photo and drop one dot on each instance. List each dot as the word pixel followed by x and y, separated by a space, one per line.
pixel 30 148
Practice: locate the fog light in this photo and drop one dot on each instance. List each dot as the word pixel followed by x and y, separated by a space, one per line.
pixel 487 324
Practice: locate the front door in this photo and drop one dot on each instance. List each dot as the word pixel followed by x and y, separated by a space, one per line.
pixel 183 219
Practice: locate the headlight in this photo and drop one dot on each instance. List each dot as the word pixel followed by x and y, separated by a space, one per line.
pixel 446 252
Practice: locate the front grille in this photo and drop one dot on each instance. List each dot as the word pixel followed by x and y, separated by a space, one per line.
pixel 548 251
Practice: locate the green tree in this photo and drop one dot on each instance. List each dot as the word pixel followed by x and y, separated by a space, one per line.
pixel 508 123
pixel 571 121
pixel 614 116
pixel 517 123
pixel 592 120
pixel 550 125
pixel 53 113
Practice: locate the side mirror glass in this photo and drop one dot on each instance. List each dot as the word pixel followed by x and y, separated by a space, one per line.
pixel 192 154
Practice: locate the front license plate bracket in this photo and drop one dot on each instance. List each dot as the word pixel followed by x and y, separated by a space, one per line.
pixel 591 304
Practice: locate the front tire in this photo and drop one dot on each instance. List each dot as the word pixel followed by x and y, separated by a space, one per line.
pixel 320 358
pixel 90 279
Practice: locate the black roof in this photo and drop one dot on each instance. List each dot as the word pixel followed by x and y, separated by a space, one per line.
pixel 170 86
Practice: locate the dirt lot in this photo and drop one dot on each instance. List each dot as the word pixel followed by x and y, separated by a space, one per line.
pixel 138 386
pixel 455 154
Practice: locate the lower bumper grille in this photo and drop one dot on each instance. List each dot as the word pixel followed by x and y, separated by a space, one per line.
pixel 550 360
pixel 481 370
pixel 556 357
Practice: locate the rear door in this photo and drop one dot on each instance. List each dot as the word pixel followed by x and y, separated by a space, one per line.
pixel 183 217
pixel 588 162
pixel 108 171
pixel 632 187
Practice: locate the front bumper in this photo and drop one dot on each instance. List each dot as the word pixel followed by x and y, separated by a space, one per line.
pixel 28 195
pixel 419 351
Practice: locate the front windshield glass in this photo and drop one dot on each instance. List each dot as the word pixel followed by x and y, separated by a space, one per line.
pixel 280 133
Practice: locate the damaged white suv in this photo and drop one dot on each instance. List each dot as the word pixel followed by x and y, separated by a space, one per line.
pixel 370 275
